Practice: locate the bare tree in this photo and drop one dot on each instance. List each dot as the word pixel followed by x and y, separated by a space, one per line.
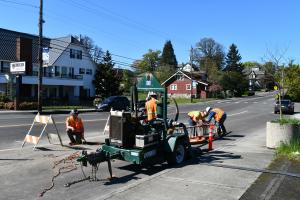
pixel 93 50
pixel 277 57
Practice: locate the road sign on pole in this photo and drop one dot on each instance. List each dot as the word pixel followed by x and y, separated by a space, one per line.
pixel 17 67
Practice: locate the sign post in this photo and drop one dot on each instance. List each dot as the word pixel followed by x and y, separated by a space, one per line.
pixel 17 69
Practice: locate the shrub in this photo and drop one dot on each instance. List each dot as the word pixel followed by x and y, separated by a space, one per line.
pixel 2 105
pixel 28 106
pixel 286 121
pixel 9 105
pixel 96 101
pixel 3 98
pixel 289 149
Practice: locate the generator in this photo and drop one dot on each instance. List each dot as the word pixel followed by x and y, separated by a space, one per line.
pixel 133 139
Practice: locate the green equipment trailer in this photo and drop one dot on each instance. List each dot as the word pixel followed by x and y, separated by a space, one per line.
pixel 135 140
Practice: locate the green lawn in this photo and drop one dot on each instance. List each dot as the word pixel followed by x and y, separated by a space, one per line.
pixel 66 107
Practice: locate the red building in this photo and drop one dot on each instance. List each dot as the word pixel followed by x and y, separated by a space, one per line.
pixel 179 84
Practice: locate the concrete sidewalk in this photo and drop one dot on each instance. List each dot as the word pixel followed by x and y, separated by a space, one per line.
pixel 224 173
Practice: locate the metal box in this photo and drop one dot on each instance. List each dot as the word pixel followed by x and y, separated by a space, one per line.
pixel 142 141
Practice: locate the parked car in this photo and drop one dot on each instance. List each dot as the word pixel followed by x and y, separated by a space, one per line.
pixel 287 106
pixel 114 102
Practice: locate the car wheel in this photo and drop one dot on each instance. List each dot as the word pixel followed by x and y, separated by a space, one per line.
pixel 178 155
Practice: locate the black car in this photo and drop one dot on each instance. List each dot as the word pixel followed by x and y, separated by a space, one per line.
pixel 287 106
pixel 114 102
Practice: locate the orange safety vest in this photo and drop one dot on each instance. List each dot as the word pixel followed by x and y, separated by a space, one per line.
pixel 151 106
pixel 75 123
pixel 219 113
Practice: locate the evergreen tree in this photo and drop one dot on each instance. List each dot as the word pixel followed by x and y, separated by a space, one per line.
pixel 106 82
pixel 233 60
pixel 168 57
pixel 233 79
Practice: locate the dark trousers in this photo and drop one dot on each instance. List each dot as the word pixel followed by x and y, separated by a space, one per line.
pixel 220 124
pixel 78 138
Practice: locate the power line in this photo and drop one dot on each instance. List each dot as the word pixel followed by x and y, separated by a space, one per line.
pixel 62 48
pixel 68 50
pixel 20 3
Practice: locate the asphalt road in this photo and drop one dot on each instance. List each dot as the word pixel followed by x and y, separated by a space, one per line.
pixel 13 127
pixel 245 116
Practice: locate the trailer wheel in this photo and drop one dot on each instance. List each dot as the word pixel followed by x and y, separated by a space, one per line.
pixel 178 155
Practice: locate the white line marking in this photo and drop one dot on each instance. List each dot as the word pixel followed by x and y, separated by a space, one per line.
pixel 237 102
pixel 255 102
pixel 238 113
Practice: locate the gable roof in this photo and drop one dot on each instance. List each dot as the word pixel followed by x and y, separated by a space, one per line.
pixel 148 82
pixel 196 77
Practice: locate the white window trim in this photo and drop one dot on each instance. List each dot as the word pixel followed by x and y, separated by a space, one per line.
pixel 188 86
pixel 173 87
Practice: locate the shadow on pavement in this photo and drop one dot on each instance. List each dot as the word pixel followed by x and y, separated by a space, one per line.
pixel 14 159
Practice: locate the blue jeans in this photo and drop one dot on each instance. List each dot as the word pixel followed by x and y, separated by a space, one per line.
pixel 220 124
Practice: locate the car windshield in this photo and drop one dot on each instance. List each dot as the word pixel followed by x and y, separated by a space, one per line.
pixel 107 100
pixel 285 102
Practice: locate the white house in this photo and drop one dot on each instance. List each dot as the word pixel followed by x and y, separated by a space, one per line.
pixel 69 73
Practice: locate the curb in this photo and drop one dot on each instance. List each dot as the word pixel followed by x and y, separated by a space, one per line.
pixel 46 112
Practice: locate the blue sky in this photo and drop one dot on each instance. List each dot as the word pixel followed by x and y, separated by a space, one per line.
pixel 130 28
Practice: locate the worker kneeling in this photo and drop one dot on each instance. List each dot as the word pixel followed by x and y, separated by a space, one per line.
pixel 220 116
pixel 75 128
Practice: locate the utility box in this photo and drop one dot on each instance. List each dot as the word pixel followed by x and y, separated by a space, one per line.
pixel 120 132
pixel 142 141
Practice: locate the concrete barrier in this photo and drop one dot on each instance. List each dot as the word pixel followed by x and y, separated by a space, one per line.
pixel 277 134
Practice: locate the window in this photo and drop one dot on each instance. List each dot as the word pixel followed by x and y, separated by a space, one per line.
pixel 57 71
pixel 64 72
pixel 72 53
pixel 89 71
pixel 188 86
pixel 79 54
pixel 174 87
pixel 5 67
pixel 75 54
pixel 180 77
pixel 71 72
pixel 81 71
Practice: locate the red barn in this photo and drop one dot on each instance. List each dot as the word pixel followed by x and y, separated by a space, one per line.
pixel 179 84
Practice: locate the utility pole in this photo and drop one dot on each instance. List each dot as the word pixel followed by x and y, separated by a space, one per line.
pixel 40 74
pixel 191 63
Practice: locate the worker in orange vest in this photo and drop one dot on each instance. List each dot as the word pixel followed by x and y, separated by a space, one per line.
pixel 220 116
pixel 151 106
pixel 75 128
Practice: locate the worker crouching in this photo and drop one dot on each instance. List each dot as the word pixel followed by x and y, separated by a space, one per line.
pixel 75 128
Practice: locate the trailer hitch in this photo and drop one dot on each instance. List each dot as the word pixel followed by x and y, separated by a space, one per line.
pixel 95 158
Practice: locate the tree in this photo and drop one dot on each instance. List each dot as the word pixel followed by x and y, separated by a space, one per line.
pixel 233 79
pixel 210 56
pixel 168 57
pixel 235 82
pixel 106 82
pixel 292 81
pixel 149 62
pixel 126 81
pixel 233 60
pixel 94 51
